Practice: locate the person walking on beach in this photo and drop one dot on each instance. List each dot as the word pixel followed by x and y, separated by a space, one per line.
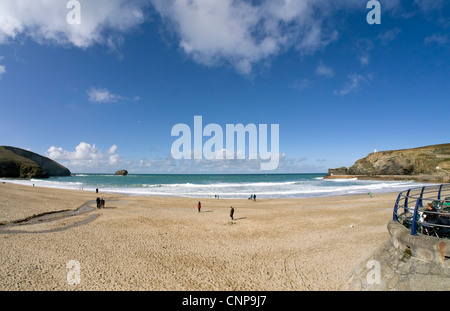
pixel 232 212
pixel 199 206
pixel 98 202
pixel 254 197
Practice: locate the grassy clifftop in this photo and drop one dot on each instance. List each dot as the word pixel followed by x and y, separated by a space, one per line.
pixel 429 163
pixel 19 163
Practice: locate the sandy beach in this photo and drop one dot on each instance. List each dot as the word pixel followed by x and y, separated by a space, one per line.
pixel 164 243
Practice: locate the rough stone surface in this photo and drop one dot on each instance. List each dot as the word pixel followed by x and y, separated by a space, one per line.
pixel 427 164
pixel 394 266
pixel 338 171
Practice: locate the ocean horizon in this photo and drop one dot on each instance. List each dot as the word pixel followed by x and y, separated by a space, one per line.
pixel 227 186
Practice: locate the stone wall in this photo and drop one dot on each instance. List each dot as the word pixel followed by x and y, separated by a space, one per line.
pixel 405 262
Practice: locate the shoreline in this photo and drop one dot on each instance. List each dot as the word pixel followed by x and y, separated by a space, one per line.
pixel 324 193
pixel 163 243
pixel 113 195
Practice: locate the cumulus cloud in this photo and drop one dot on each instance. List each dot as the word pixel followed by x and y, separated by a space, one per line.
pixel 89 158
pixel 113 157
pixel 112 149
pixel 85 156
pixel 242 33
pixel 212 33
pixel 46 21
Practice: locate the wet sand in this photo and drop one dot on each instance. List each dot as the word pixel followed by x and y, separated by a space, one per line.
pixel 161 243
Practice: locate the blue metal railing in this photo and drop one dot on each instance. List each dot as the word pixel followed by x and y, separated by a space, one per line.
pixel 411 209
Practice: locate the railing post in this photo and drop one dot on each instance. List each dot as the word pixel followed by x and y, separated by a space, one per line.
pixel 421 196
pixel 414 218
pixel 439 193
pixel 405 205
pixel 395 218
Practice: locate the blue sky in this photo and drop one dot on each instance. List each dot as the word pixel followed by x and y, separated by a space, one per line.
pixel 104 94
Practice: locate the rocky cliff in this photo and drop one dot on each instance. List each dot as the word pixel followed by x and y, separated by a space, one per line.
pixel 19 163
pixel 429 163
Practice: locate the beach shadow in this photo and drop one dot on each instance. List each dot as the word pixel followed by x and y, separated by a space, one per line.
pixel 109 207
pixel 240 218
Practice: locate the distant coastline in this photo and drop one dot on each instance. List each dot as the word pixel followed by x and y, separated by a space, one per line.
pixel 415 178
pixel 429 164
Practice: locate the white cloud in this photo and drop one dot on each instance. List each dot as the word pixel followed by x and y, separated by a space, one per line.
pixel 364 59
pixel 2 68
pixel 114 159
pixel 242 33
pixel 324 71
pixel 103 96
pixel 212 33
pixel 171 165
pixel 46 21
pixel 112 150
pixel 85 156
pixel 88 158
pixel 2 71
pixel 99 95
pixel 353 84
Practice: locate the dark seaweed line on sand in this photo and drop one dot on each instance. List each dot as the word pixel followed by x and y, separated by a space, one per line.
pixel 7 228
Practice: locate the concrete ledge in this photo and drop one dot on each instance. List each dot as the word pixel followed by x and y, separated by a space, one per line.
pixel 422 247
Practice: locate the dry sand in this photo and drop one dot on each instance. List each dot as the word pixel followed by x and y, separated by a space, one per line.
pixel 156 243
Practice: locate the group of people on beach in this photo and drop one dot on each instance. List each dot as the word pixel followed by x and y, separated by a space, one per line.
pixel 252 197
pixel 100 203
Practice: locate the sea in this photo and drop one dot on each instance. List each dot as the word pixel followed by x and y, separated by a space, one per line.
pixel 231 186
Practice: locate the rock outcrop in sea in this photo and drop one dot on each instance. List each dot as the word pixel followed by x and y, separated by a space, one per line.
pixel 426 164
pixel 122 172
pixel 20 163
